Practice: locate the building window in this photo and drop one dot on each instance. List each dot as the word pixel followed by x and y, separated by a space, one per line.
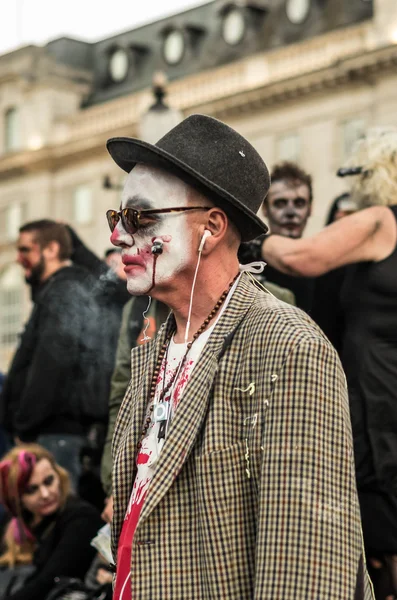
pixel 352 131
pixel 297 10
pixel 233 26
pixel 118 65
pixel 82 205
pixel 11 130
pixel 12 217
pixel 174 46
pixel 288 147
pixel 11 302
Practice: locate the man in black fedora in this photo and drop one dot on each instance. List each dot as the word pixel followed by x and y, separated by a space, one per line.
pixel 233 475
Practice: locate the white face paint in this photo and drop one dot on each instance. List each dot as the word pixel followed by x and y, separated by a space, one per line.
pixel 150 188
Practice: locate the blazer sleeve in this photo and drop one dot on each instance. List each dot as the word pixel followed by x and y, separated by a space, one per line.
pixel 309 543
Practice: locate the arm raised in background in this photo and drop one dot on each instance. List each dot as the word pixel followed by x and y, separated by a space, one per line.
pixel 368 235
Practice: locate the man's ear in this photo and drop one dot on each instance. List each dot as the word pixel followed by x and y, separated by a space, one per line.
pixel 51 251
pixel 217 222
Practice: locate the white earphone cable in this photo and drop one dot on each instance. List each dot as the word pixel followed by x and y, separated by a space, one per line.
pixel 146 321
pixel 191 298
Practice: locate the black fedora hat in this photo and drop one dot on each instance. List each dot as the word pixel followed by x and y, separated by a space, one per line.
pixel 211 157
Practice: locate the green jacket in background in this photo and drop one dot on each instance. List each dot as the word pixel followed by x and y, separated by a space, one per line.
pixel 131 327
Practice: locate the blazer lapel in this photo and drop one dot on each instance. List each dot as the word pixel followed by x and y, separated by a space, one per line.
pixel 143 362
pixel 193 405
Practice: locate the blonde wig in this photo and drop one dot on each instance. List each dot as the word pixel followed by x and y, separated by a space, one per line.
pixel 376 153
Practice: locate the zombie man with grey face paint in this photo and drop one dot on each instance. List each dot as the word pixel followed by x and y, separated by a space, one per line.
pixel 286 209
pixel 235 421
pixel 288 204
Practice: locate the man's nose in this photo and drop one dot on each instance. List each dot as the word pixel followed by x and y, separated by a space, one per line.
pixel 19 259
pixel 121 238
pixel 291 210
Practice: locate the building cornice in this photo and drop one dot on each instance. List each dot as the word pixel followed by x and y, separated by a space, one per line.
pixel 359 69
pixel 31 67
pixel 343 57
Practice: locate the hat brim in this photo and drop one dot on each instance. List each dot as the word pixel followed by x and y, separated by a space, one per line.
pixel 127 152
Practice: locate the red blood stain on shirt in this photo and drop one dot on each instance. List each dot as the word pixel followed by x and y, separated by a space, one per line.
pixel 142 458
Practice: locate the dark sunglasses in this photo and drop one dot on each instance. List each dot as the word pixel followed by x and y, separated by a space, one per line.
pixel 347 171
pixel 133 219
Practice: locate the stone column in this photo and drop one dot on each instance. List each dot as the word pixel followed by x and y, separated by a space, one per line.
pixel 385 22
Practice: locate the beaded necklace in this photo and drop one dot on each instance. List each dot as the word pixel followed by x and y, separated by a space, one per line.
pixel 162 353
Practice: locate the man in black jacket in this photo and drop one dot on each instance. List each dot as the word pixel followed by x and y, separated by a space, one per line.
pixel 49 395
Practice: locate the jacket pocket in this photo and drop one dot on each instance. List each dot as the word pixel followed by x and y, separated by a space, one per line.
pixel 227 510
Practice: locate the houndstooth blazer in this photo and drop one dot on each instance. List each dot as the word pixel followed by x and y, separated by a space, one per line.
pixel 254 494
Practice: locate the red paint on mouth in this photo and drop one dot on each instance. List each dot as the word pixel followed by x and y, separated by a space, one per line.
pixel 135 260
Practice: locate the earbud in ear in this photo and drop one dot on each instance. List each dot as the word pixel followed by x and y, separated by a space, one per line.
pixel 206 235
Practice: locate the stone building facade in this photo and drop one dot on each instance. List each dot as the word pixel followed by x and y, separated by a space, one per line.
pixel 301 79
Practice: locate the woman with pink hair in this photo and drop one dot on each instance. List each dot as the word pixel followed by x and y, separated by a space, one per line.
pixel 48 524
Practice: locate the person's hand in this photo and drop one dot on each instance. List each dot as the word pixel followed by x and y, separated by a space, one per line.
pixel 107 514
pixel 103 576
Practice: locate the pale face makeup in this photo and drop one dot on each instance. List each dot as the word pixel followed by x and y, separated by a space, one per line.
pixel 150 188
pixel 287 208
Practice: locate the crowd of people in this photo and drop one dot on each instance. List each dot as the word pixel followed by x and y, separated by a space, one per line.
pixel 194 399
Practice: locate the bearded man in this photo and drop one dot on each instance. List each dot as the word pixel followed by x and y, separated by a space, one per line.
pixel 233 472
pixel 45 396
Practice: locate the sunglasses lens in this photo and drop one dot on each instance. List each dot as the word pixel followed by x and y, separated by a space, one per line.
pixel 113 219
pixel 130 220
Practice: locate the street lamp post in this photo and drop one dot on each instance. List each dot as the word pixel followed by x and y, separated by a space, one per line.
pixel 160 117
pixel 155 122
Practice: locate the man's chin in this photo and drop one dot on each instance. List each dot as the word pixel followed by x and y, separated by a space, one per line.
pixel 138 286
pixel 291 232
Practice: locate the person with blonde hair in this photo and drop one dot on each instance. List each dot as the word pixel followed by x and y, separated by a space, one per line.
pixel 48 525
pixel 368 239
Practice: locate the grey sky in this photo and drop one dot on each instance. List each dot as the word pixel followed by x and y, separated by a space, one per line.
pixel 37 21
